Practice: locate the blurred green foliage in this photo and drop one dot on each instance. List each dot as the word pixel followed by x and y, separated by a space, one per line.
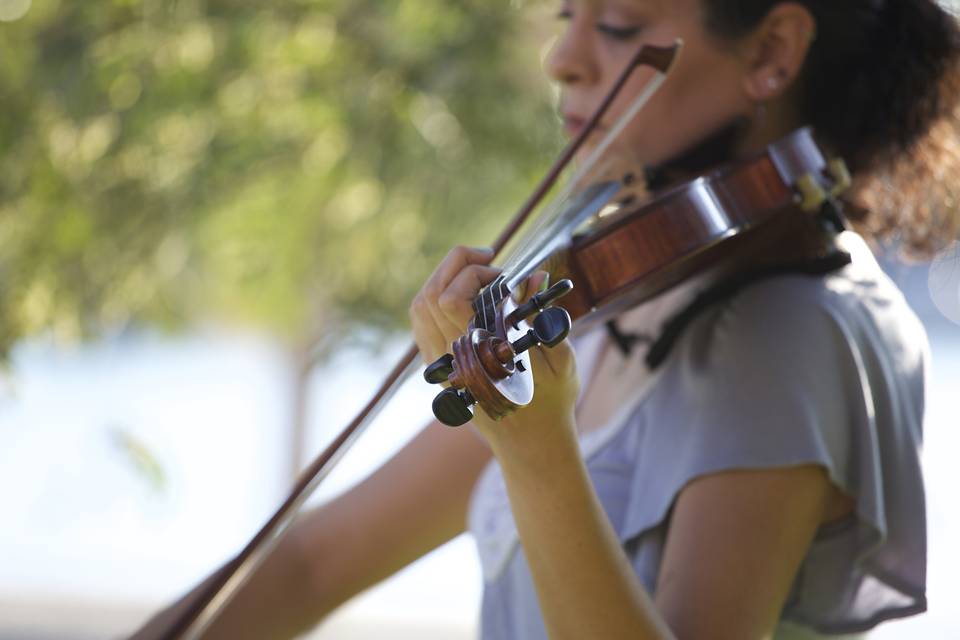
pixel 294 166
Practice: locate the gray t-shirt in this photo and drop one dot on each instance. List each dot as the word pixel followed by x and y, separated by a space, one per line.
pixel 793 370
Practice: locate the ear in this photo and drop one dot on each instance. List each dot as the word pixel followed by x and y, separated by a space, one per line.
pixel 776 50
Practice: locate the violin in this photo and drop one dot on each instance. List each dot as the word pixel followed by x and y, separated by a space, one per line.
pixel 623 260
pixel 604 258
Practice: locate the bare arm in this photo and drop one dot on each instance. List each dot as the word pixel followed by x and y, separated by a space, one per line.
pixel 411 505
pixel 585 585
pixel 734 544
pixel 414 503
pixel 735 539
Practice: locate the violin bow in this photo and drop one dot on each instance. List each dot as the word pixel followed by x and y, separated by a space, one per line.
pixel 203 609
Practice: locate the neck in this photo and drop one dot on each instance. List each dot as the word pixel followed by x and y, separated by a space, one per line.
pixel 715 150
pixel 771 121
pixel 742 137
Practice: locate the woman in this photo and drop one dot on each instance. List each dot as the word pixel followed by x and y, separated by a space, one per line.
pixel 764 480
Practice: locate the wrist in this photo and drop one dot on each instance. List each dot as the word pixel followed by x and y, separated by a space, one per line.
pixel 539 447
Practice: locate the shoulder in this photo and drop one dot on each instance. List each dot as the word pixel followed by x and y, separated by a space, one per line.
pixel 795 369
pixel 800 325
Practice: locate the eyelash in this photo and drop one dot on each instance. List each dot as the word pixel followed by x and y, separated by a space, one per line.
pixel 617 33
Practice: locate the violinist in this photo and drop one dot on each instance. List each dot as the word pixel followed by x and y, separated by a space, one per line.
pixel 762 479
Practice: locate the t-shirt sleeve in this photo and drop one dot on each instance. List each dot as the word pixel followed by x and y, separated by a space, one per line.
pixel 781 376
pixel 766 381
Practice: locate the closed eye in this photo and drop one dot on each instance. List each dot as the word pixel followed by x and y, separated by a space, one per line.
pixel 619 33
pixel 613 31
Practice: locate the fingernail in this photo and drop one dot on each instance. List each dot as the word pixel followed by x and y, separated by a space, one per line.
pixel 546 282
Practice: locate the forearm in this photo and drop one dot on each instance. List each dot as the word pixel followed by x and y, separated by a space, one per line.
pixel 276 602
pixel 412 504
pixel 585 584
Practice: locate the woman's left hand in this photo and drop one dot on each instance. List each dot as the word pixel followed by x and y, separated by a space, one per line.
pixel 440 313
pixel 549 418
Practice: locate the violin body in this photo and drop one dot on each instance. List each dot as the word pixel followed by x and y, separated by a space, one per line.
pixel 631 256
pixel 734 217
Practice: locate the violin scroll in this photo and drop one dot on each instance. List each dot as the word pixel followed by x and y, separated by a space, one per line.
pixel 492 369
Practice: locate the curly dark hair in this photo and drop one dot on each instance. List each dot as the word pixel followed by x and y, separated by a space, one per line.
pixel 881 86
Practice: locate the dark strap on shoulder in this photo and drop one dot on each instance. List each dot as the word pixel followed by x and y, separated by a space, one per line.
pixel 832 220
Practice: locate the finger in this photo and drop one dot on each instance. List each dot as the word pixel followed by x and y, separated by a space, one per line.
pixel 456 302
pixel 430 339
pixel 452 309
pixel 454 263
pixel 425 310
pixel 447 324
pixel 457 260
pixel 558 360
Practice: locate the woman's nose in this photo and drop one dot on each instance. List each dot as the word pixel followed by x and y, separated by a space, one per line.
pixel 571 60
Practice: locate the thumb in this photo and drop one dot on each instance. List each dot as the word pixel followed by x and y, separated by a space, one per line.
pixel 559 359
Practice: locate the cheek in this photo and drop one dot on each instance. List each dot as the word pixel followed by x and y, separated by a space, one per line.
pixel 700 97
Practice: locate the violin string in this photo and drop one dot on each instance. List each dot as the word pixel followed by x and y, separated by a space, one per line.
pixel 546 225
pixel 551 222
pixel 641 100
pixel 648 91
pixel 560 232
pixel 542 234
pixel 533 238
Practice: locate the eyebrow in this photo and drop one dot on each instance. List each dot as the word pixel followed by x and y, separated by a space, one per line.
pixel 654 4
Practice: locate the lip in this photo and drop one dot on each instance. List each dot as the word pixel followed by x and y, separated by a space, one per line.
pixel 573 124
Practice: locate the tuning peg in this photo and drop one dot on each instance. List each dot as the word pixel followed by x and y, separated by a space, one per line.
pixel 841 176
pixel 440 370
pixel 549 329
pixel 540 301
pixel 452 407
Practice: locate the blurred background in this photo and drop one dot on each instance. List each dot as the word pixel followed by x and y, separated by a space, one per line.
pixel 213 214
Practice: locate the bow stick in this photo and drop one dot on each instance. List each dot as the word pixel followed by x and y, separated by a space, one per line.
pixel 201 612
